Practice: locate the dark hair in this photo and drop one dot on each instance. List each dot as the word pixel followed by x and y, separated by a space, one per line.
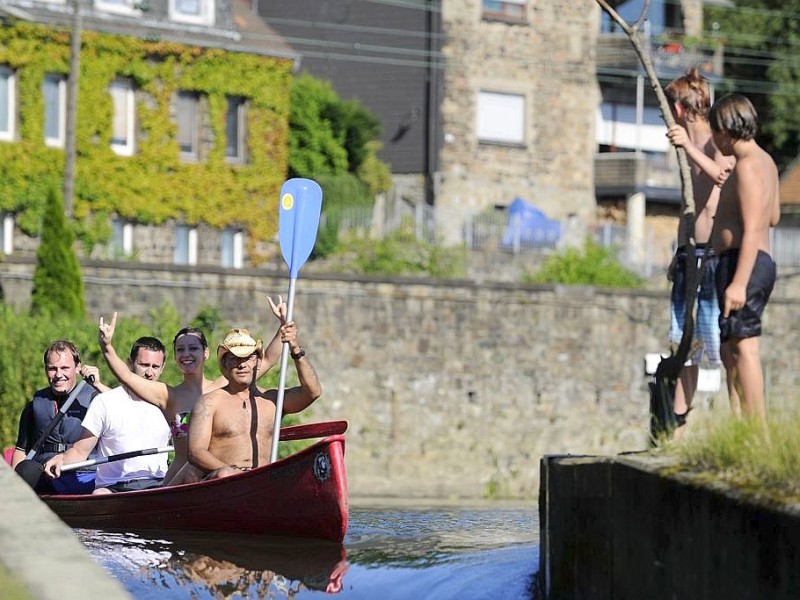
pixel 148 343
pixel 691 91
pixel 192 331
pixel 735 115
pixel 60 346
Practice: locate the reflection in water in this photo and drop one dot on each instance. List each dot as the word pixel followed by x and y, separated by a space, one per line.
pixel 392 552
pixel 201 565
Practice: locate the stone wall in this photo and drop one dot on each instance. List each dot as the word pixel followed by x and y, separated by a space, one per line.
pixel 452 389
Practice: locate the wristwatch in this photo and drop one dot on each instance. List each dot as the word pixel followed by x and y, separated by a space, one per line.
pixel 299 354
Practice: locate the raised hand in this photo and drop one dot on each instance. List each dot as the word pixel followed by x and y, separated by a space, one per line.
pixel 280 309
pixel 105 332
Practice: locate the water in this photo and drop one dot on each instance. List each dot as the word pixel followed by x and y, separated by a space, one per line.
pixel 390 551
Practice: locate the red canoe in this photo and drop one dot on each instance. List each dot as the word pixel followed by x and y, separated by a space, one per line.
pixel 303 495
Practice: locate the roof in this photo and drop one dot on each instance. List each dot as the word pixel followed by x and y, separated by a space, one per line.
pixel 790 184
pixel 248 35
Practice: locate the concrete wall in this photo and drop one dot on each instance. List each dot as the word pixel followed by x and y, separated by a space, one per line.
pixel 451 388
pixel 618 528
pixel 42 553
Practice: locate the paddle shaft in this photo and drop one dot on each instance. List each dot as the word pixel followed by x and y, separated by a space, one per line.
pixel 276 427
pixel 115 457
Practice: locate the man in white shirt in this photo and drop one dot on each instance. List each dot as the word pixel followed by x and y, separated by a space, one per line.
pixel 118 421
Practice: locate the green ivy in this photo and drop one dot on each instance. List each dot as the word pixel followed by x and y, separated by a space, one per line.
pixel 155 185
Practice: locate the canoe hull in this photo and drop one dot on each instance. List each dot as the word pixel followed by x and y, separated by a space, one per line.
pixel 303 495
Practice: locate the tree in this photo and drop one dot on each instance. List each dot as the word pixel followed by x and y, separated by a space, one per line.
pixel 57 281
pixel 761 61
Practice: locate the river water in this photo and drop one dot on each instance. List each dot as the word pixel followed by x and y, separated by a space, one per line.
pixel 391 551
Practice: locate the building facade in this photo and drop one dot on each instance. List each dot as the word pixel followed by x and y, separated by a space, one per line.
pixel 180 127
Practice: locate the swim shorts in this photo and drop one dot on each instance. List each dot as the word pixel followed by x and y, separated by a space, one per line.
pixel 746 322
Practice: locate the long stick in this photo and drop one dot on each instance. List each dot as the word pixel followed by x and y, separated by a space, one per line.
pixel 115 457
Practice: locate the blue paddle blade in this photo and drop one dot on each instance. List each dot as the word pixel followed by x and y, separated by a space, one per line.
pixel 300 206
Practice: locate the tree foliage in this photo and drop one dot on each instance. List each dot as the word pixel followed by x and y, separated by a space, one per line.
pixel 329 136
pixel 57 281
pixel 760 38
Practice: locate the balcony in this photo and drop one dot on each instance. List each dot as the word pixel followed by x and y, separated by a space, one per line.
pixel 670 56
pixel 619 174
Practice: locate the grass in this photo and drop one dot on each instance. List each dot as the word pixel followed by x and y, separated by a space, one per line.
pixel 747 454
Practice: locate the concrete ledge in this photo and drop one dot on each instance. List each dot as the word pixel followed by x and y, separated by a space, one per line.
pixel 621 528
pixel 42 553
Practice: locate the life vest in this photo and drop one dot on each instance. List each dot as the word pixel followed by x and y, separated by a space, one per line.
pixel 44 408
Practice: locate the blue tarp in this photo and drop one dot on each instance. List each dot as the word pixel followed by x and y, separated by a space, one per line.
pixel 528 226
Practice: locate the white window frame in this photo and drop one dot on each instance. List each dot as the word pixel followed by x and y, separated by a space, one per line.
pixel 125 102
pixel 126 7
pixel 9 133
pixel 8 233
pixel 241 130
pixel 205 17
pixel 185 245
pixel 501 118
pixel 187 99
pixel 507 11
pixel 61 83
pixel 122 240
pixel 231 248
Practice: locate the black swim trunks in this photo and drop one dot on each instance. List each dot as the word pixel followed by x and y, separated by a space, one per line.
pixel 746 322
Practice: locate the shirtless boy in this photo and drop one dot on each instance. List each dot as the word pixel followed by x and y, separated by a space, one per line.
pixel 221 438
pixel 749 205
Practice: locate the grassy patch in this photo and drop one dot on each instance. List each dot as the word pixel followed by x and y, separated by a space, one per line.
pixel 747 454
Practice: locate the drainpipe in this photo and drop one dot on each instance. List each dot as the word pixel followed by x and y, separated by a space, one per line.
pixel 72 107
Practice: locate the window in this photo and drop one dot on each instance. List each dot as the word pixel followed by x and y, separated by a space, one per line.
pixel 187 113
pixel 7 234
pixel 501 118
pixel 123 132
pixel 504 10
pixel 8 103
pixel 185 245
pixel 231 248
pixel 235 129
pixel 125 7
pixel 54 89
pixel 122 238
pixel 192 11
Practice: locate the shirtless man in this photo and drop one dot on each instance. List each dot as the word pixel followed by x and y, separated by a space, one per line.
pixel 748 206
pixel 690 100
pixel 221 438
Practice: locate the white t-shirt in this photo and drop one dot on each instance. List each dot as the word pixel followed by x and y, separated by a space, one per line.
pixel 123 423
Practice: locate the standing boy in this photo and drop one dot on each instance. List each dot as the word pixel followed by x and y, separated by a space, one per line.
pixel 748 206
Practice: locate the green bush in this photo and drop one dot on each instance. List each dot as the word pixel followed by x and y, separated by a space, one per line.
pixel 591 265
pixel 57 282
pixel 400 253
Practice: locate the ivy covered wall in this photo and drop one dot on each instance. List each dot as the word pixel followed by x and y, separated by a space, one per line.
pixel 154 185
